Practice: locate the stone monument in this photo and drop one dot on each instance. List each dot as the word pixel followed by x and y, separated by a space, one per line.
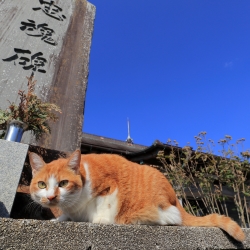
pixel 50 40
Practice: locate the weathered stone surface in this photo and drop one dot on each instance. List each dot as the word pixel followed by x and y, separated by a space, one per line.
pixel 32 234
pixel 61 34
pixel 12 158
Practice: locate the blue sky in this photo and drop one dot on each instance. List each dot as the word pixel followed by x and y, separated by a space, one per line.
pixel 174 67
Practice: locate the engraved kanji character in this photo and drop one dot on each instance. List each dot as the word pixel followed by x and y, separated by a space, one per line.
pixel 24 60
pixel 35 61
pixel 50 9
pixel 40 30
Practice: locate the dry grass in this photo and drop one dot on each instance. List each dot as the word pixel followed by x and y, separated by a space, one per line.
pixel 205 176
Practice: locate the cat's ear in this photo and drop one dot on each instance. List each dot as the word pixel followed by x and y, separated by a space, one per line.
pixel 36 162
pixel 74 161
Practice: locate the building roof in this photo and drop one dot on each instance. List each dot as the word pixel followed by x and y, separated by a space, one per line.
pixel 99 144
pixel 134 152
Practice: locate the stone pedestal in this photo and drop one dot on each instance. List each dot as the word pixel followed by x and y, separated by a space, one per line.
pixel 50 40
pixel 12 158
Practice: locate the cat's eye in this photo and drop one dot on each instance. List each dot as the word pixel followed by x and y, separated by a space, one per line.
pixel 41 184
pixel 63 183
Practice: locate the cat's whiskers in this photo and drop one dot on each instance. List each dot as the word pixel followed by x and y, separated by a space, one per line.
pixel 72 206
pixel 69 203
pixel 31 203
pixel 33 206
pixel 70 199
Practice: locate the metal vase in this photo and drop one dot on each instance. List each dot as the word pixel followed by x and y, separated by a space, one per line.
pixel 15 130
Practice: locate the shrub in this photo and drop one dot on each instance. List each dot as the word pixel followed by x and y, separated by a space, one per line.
pixel 205 176
pixel 31 110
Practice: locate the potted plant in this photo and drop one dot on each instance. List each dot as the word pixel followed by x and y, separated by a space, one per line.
pixel 31 114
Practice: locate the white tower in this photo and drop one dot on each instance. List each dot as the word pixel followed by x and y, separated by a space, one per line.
pixel 129 139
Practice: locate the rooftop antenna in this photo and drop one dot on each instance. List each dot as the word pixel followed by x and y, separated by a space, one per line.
pixel 129 139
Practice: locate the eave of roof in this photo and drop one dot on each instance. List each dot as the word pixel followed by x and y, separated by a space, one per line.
pixel 151 151
pixel 108 144
pixel 133 152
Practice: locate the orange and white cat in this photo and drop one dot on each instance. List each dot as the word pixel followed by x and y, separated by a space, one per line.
pixel 107 188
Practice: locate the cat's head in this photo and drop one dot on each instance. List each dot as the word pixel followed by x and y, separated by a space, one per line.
pixel 57 183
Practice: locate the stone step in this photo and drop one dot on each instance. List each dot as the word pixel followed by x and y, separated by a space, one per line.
pixel 35 234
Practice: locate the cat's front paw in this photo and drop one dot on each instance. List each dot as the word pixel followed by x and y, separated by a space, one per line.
pixel 101 220
pixel 63 217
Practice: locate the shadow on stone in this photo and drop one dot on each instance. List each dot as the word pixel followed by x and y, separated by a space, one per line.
pixel 25 208
pixel 237 244
pixel 3 211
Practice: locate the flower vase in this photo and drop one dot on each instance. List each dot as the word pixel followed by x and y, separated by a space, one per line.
pixel 15 130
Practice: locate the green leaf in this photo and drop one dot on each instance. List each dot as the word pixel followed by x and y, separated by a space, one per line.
pixel 245 193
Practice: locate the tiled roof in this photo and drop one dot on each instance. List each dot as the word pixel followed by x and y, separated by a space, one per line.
pixel 134 152
pixel 109 145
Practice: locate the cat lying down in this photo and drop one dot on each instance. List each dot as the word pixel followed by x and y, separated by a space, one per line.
pixel 107 188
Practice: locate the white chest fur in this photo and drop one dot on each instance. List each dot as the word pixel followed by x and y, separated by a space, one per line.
pixel 101 209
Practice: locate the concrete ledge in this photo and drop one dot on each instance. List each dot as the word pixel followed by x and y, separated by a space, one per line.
pixel 34 234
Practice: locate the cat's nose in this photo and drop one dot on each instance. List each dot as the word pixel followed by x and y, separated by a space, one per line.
pixel 51 198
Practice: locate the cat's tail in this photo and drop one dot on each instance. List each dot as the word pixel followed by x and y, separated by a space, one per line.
pixel 212 220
